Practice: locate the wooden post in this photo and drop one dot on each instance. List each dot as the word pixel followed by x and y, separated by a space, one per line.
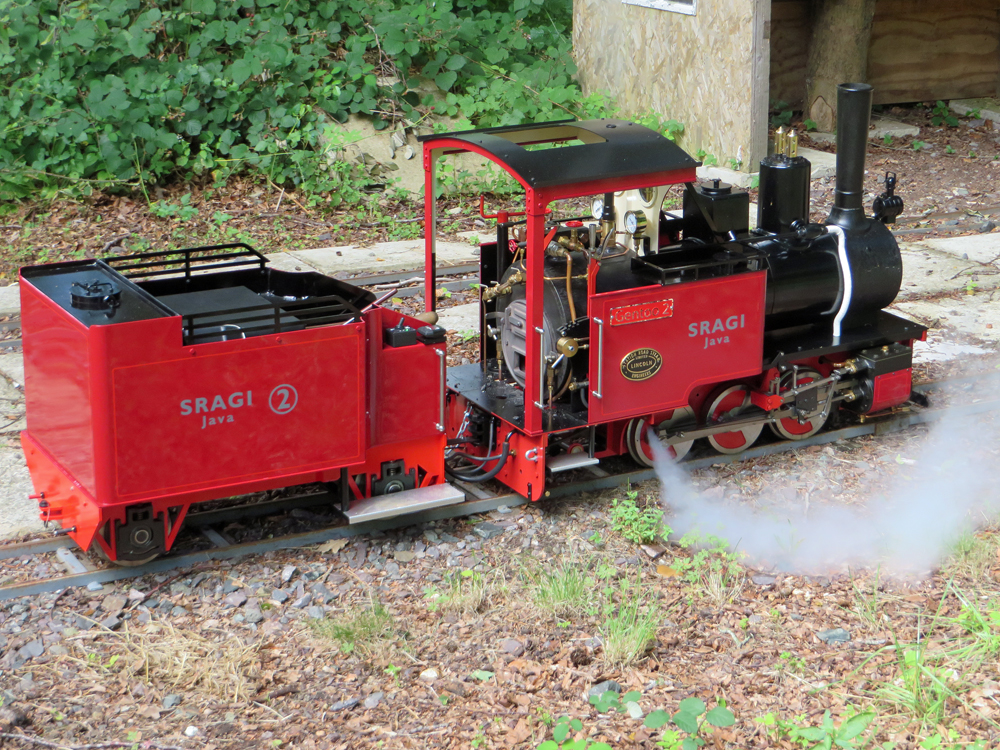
pixel 841 35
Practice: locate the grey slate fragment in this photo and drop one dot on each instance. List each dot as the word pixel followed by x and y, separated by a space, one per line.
pixel 31 649
pixel 235 599
pixel 836 635
pixel 602 687
pixel 373 700
pixel 763 580
pixel 111 623
pixel 303 601
pixel 487 530
pixel 316 613
pixel 287 573
pixel 253 613
pixel 344 705
pixel 171 700
pixel 279 596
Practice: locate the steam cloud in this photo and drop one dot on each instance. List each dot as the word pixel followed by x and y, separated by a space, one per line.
pixel 950 488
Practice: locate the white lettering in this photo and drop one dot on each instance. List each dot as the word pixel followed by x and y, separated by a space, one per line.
pixel 218 403
pixel 185 407
pixel 200 405
pixel 236 400
pixel 693 330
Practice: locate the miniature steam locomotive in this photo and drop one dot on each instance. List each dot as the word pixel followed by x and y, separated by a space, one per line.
pixel 161 380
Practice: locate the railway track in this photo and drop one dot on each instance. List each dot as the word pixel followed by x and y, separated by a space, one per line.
pixel 479 499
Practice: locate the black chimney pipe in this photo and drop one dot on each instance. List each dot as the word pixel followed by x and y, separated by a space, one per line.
pixel 854 106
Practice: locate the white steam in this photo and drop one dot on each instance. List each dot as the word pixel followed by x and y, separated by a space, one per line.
pixel 950 487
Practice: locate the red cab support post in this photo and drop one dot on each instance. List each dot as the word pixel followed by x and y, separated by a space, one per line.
pixel 534 386
pixel 430 232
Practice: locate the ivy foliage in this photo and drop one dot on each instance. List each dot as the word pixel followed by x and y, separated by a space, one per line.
pixel 124 93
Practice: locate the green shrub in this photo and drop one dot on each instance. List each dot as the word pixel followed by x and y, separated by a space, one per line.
pixel 113 93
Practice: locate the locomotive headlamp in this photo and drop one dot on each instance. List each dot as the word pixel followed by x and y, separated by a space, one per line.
pixel 597 208
pixel 635 222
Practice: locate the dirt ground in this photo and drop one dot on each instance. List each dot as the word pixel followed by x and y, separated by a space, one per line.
pixel 483 632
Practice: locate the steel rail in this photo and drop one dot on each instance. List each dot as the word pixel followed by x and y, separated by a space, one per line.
pixel 600 480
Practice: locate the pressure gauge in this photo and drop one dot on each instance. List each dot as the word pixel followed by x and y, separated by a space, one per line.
pixel 635 222
pixel 597 208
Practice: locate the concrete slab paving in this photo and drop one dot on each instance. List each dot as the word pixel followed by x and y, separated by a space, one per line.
pixel 10 299
pixel 18 512
pixel 974 314
pixel 981 248
pixel 460 318
pixel 382 258
pixel 988 106
pixel 12 367
pixel 927 270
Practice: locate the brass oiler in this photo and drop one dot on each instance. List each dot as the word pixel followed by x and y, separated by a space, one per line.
pixel 567 346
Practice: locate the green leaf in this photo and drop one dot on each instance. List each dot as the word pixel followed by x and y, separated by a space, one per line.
pixel 686 721
pixel 560 732
pixel 456 62
pixel 599 746
pixel 656 719
pixel 482 675
pixel 446 79
pixel 192 127
pixel 689 743
pixel 856 725
pixel 548 745
pixel 694 706
pixel 240 71
pixel 720 716
pixel 813 734
pixel 631 695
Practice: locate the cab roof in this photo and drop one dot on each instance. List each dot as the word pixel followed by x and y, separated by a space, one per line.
pixel 597 150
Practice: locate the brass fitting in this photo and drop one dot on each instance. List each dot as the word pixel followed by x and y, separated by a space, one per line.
pixel 499 290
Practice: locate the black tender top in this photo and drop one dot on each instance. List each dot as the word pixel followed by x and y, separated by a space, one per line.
pixel 610 149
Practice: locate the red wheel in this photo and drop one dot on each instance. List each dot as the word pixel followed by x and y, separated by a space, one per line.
pixel 790 428
pixel 728 403
pixel 637 438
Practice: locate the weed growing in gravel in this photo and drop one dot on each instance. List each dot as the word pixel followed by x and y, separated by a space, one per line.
pixel 923 688
pixel 866 603
pixel 638 525
pixel 973 555
pixel 564 591
pixel 629 629
pixel 362 631
pixel 981 624
pixel 464 593
pixel 849 734
pixel 712 567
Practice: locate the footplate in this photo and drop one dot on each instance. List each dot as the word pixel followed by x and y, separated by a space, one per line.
pixel 401 503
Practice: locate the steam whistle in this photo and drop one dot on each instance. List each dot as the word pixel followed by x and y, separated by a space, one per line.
pixel 888 206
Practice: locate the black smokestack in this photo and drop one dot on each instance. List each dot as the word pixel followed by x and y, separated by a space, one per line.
pixel 854 106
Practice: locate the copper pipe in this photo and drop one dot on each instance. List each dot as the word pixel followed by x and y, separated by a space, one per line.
pixel 569 286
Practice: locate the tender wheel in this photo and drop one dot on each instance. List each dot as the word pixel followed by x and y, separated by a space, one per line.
pixel 731 402
pixel 96 547
pixel 790 428
pixel 637 438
